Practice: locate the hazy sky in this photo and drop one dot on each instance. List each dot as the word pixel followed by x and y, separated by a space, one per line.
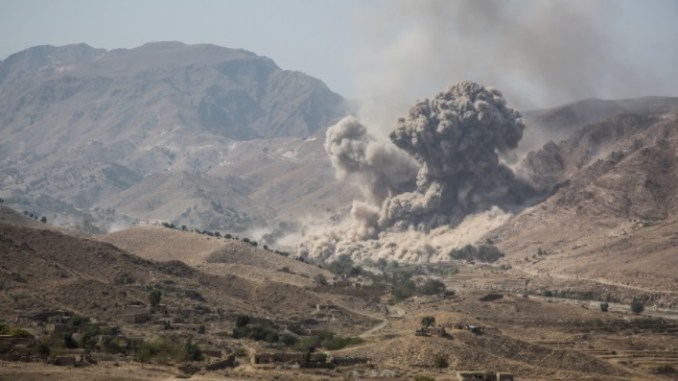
pixel 539 53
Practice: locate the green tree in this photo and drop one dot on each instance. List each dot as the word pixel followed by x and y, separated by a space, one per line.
pixel 342 266
pixel 320 280
pixel 382 263
pixel 637 307
pixel 604 306
pixel 192 351
pixel 489 253
pixel 154 297
pixel 69 341
pixel 432 287
pixel 467 252
pixel 242 321
pixel 428 321
pixel 43 349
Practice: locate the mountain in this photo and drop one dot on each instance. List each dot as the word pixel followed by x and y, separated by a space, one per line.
pixel 53 270
pixel 177 128
pixel 558 123
pixel 613 210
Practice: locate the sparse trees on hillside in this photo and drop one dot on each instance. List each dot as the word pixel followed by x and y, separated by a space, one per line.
pixel 344 265
pixel 483 253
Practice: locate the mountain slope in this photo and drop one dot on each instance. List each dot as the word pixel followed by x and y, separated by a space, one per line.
pixel 559 123
pixel 51 270
pixel 614 215
pixel 81 129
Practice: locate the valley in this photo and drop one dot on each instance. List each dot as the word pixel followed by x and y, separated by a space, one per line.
pixel 254 314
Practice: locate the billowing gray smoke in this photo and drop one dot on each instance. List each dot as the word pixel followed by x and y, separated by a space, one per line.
pixel 454 139
pixel 379 169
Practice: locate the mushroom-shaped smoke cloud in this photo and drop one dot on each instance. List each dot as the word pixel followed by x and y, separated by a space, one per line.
pixel 441 165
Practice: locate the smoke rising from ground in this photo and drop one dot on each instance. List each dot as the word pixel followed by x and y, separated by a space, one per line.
pixel 441 166
pixel 544 53
pixel 379 168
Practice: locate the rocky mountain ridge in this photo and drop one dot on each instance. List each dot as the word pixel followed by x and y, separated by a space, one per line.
pixel 81 128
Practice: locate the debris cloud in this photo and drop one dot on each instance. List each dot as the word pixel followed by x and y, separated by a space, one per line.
pixel 440 166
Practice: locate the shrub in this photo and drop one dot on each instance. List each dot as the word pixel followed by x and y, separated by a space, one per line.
pixel 489 253
pixel 113 345
pixel 154 297
pixel 320 280
pixel 43 349
pixel 467 252
pixel 69 341
pixel 604 306
pixel 440 362
pixel 15 331
pixel 339 342
pixel 168 349
pixel 342 265
pixel 491 297
pixel 637 307
pixel 428 321
pixel 194 295
pixel 665 370
pixel 424 378
pixel 307 344
pixel 483 253
pixel 77 320
pixel 325 339
pixel 289 340
pixel 403 289
pixel 88 335
pixel 242 321
pixel 191 351
pixel 432 287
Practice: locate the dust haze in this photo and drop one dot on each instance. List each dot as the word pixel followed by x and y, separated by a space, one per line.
pixel 539 53
pixel 453 141
pixel 462 141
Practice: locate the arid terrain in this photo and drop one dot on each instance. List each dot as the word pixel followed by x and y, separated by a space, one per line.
pixel 178 211
pixel 495 317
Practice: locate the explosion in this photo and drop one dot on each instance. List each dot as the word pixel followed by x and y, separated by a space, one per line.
pixel 441 166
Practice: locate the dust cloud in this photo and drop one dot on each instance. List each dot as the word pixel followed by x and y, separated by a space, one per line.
pixel 439 170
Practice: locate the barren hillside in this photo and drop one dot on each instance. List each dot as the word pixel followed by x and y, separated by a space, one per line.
pixel 43 269
pixel 614 213
pixel 182 130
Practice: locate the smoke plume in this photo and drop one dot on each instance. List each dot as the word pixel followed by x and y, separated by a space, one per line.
pixel 441 166
pixel 379 168
pixel 544 53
